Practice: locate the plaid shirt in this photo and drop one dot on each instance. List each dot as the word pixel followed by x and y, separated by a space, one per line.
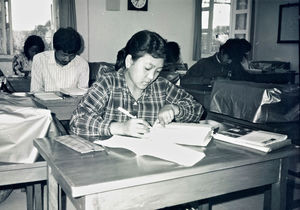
pixel 99 107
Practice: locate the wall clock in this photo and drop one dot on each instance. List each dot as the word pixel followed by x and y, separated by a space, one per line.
pixel 140 5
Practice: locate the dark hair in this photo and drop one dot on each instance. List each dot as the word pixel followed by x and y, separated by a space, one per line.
pixel 173 52
pixel 141 43
pixel 33 40
pixel 67 39
pixel 236 48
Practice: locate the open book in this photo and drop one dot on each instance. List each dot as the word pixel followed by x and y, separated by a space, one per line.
pixel 73 91
pixel 256 139
pixel 163 150
pixel 163 142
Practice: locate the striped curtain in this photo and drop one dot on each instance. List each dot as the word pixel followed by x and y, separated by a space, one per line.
pixel 67 13
pixel 197 30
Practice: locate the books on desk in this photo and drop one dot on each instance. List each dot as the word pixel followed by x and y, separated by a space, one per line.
pixel 47 96
pixel 78 144
pixel 73 91
pixel 166 142
pixel 255 139
pixel 193 134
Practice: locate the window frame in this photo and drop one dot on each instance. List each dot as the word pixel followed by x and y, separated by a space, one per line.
pixel 233 13
pixel 6 25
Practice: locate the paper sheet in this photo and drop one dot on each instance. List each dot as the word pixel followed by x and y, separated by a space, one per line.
pixel 163 150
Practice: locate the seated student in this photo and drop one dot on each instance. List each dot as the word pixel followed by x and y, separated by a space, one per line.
pixel 137 88
pixel 61 67
pixel 22 62
pixel 224 64
pixel 172 63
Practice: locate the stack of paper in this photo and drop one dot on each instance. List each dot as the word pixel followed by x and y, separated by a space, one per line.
pixel 194 134
pixel 255 139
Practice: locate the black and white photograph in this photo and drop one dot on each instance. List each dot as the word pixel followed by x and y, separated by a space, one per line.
pixel 149 104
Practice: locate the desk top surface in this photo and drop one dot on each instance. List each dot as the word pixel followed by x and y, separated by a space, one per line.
pixel 119 168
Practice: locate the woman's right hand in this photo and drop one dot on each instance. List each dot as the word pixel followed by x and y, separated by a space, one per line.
pixel 133 127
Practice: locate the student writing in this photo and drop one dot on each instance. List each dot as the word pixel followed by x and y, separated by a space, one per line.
pixel 136 87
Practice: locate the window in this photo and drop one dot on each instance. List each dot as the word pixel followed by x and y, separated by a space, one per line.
pixel 240 21
pixel 17 24
pixel 5 27
pixel 215 25
pixel 221 20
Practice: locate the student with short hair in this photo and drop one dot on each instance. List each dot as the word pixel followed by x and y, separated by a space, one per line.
pixel 225 64
pixel 137 88
pixel 61 67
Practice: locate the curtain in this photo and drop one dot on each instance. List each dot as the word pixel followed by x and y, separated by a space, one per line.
pixel 67 13
pixel 197 30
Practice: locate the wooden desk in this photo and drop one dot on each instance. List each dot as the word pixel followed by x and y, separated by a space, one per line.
pixel 120 180
pixel 63 109
pixel 32 175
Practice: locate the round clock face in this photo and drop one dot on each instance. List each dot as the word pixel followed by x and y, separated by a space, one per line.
pixel 138 3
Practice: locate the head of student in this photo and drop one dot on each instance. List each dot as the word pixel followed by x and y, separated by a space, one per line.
pixel 143 58
pixel 234 50
pixel 33 45
pixel 66 43
pixel 173 52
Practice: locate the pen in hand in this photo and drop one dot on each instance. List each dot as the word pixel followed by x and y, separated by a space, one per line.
pixel 124 111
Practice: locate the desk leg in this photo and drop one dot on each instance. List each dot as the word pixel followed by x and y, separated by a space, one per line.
pixel 275 197
pixel 38 196
pixel 29 197
pixel 52 191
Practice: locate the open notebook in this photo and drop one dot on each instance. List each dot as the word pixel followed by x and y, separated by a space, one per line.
pixel 166 142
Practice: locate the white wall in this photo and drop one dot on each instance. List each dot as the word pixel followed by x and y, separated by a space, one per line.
pixel 265 44
pixel 106 32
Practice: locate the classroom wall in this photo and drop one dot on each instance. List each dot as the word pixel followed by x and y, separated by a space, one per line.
pixel 106 32
pixel 265 46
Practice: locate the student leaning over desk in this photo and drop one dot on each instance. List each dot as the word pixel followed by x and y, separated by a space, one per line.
pixel 137 88
pixel 61 67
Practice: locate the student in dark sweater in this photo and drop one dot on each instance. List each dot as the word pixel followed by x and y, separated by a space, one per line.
pixel 225 64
